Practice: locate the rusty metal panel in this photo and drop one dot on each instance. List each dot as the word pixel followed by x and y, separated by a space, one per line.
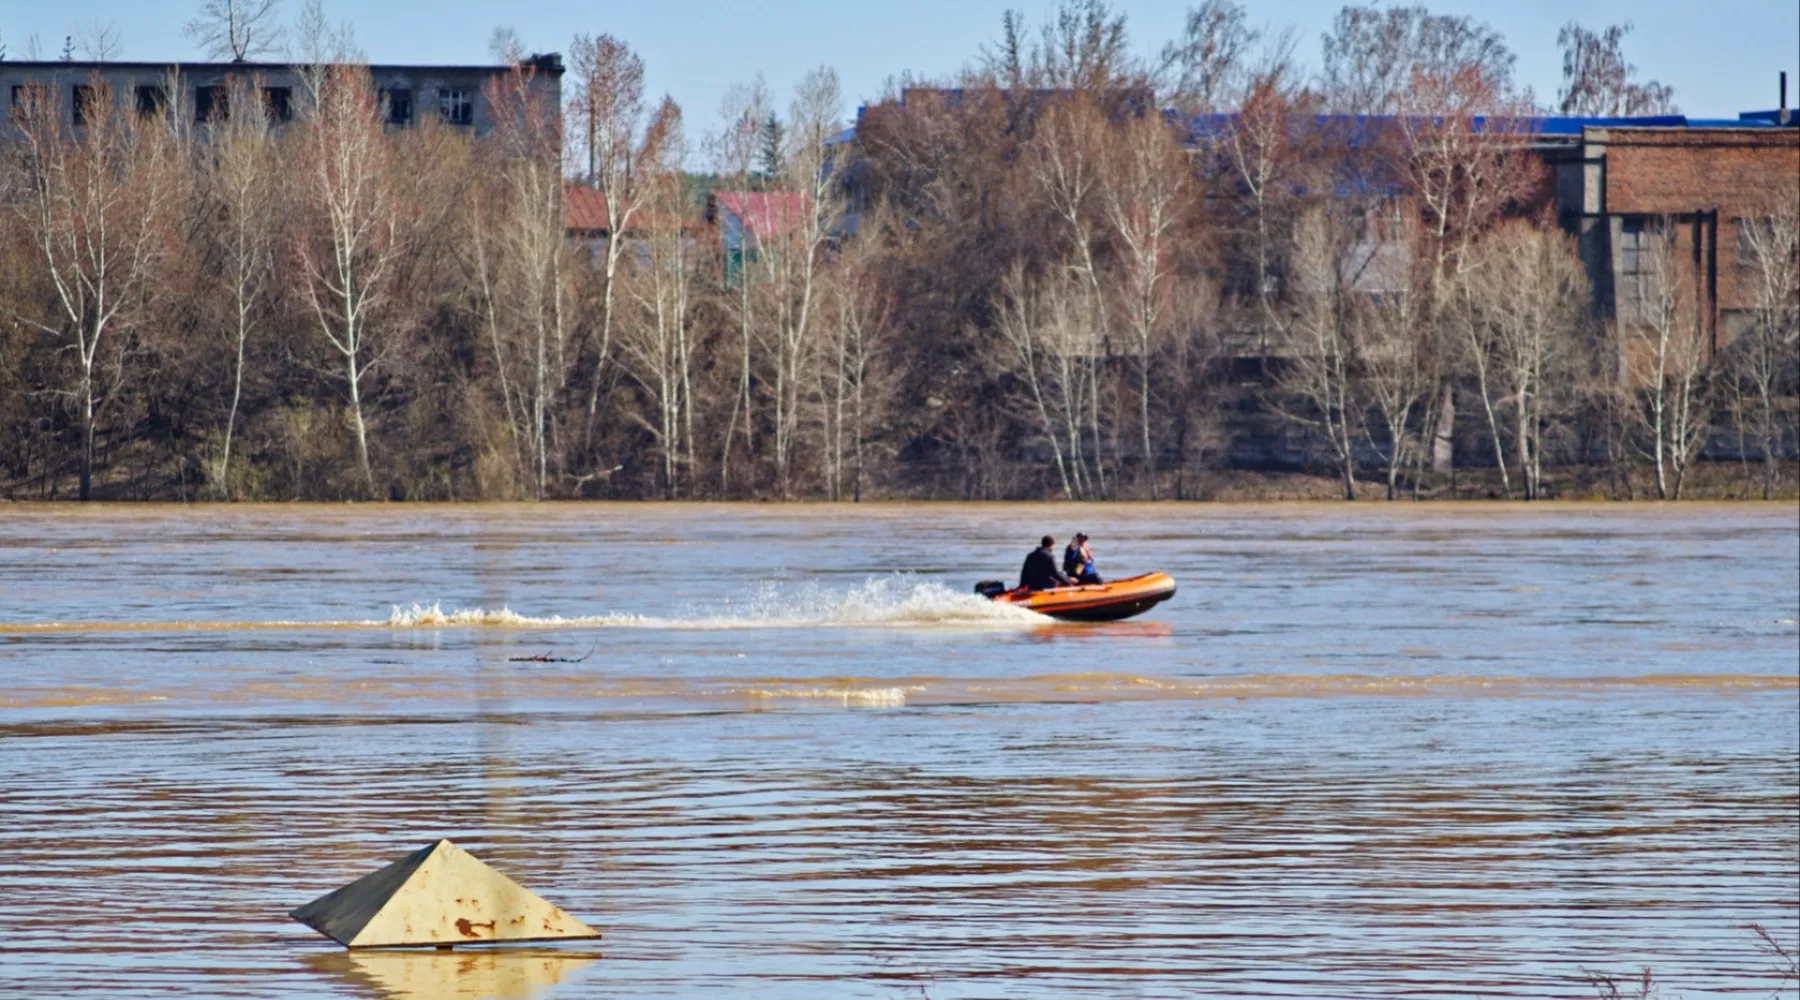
pixel 437 895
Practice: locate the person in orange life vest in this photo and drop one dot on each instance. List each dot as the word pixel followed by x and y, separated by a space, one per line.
pixel 1078 561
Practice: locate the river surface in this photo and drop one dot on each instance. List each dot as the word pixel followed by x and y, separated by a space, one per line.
pixel 1366 751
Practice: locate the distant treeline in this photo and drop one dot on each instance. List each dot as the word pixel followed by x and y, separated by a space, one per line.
pixel 1017 283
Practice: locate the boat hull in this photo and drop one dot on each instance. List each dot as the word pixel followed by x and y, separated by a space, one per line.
pixel 1095 602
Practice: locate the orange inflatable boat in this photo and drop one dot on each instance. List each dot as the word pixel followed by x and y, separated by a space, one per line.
pixel 1088 602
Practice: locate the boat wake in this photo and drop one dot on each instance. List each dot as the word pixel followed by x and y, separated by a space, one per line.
pixel 888 602
pixel 885 602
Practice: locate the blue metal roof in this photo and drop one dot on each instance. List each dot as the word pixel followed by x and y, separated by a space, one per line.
pixel 1572 126
pixel 1355 130
pixel 1359 128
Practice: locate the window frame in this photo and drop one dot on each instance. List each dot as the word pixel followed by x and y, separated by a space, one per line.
pixel 456 106
pixel 1634 236
pixel 1636 282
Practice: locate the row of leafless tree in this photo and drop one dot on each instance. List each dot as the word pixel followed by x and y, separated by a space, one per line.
pixel 1029 283
pixel 1386 274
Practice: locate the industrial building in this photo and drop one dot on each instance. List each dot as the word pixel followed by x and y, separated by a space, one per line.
pixel 1705 182
pixel 198 92
pixel 1614 181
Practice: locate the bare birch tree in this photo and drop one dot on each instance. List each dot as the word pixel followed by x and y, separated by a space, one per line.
pixel 91 204
pixel 1764 356
pixel 1189 372
pixel 656 340
pixel 854 370
pixel 1598 82
pixel 1144 190
pixel 1206 67
pixel 1268 163
pixel 1319 336
pixel 353 243
pixel 319 45
pixel 99 41
pixel 798 264
pixel 241 184
pixel 1066 161
pixel 1463 152
pixel 1082 46
pixel 735 149
pixel 1393 346
pixel 1481 344
pixel 318 42
pixel 237 30
pixel 1668 356
pixel 505 45
pixel 1372 54
pixel 607 114
pixel 1529 294
pixel 1046 340
pixel 525 290
pixel 487 266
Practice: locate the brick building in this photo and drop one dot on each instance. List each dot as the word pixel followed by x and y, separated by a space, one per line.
pixel 1617 182
pixel 1703 184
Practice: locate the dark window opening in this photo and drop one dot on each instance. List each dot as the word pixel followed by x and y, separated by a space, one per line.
pixel 456 106
pixel 398 102
pixel 81 103
pixel 279 103
pixel 28 98
pixel 211 104
pixel 152 99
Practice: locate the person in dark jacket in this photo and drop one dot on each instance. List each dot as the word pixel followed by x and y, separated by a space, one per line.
pixel 1040 572
pixel 1078 561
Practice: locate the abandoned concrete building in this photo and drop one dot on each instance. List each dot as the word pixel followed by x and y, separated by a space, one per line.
pixel 199 92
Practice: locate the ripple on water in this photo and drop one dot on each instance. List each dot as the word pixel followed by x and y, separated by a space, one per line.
pixel 1311 774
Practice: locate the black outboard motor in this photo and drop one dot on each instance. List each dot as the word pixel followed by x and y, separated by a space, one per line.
pixel 990 589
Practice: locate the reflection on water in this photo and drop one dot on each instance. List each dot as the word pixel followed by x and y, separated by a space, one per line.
pixel 1364 752
pixel 475 973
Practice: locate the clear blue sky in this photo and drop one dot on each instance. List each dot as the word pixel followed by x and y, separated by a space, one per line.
pixel 1721 56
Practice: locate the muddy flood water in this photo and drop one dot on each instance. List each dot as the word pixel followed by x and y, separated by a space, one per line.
pixel 783 751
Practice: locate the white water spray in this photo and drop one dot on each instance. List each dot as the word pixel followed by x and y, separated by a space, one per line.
pixel 884 602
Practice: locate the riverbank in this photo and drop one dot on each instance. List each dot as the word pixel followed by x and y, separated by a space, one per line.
pixel 1711 481
pixel 1707 481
